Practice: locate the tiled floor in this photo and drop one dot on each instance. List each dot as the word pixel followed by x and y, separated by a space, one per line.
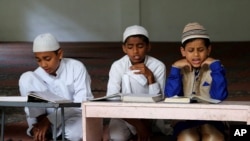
pixel 16 132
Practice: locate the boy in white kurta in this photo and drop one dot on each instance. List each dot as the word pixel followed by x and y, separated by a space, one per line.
pixel 65 77
pixel 134 73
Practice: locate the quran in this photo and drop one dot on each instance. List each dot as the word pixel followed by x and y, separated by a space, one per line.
pixel 45 96
pixel 191 99
pixel 130 98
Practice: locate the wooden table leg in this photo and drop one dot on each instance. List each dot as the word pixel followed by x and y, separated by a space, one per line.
pixel 92 129
pixel 2 124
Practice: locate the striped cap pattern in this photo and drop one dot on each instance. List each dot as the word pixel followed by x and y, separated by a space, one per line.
pixel 194 30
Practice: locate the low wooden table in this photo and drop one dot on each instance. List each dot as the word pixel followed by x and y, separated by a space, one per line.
pixel 94 112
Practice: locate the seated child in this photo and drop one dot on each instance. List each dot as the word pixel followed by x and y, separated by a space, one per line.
pixel 64 77
pixel 197 73
pixel 136 72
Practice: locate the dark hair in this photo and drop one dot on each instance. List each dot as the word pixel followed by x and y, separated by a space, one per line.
pixel 144 38
pixel 206 41
pixel 56 51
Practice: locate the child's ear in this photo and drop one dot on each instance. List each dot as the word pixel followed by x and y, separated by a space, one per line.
pixel 209 50
pixel 124 48
pixel 60 53
pixel 148 48
pixel 183 53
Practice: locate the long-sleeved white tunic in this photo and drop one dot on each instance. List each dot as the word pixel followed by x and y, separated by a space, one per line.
pixel 72 82
pixel 122 80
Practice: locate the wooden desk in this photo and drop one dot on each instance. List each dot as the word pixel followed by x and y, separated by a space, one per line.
pixel 4 104
pixel 94 112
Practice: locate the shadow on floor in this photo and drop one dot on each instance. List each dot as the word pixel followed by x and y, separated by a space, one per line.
pixel 16 132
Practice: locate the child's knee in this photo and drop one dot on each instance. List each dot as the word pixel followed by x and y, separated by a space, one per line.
pixel 118 135
pixel 74 136
pixel 188 135
pixel 118 130
pixel 210 133
pixel 74 132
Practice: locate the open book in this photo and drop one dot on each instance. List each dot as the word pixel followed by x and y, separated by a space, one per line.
pixel 46 97
pixel 131 97
pixel 36 97
pixel 191 99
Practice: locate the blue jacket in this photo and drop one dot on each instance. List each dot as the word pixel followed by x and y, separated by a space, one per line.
pixel 209 82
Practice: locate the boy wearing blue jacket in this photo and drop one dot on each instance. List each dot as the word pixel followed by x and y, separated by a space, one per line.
pixel 197 73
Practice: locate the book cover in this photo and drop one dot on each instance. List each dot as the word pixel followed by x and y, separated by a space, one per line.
pixel 141 98
pixel 108 97
pixel 177 99
pixel 202 99
pixel 191 99
pixel 130 98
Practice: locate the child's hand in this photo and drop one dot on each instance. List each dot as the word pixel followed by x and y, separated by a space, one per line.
pixel 208 61
pixel 40 130
pixel 143 130
pixel 182 63
pixel 143 69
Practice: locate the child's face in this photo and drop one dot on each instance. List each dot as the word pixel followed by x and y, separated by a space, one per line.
pixel 136 49
pixel 196 52
pixel 49 61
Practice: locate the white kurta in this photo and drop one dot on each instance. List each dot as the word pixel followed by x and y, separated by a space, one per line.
pixel 120 75
pixel 123 80
pixel 71 82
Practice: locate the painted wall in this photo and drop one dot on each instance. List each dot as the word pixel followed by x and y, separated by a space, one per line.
pixel 105 20
pixel 225 20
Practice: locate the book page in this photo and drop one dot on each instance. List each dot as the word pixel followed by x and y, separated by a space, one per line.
pixel 130 98
pixel 108 97
pixel 48 96
pixel 177 99
pixel 191 99
pixel 203 99
pixel 141 98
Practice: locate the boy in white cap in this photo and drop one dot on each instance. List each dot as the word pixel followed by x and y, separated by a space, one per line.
pixel 65 77
pixel 197 73
pixel 135 73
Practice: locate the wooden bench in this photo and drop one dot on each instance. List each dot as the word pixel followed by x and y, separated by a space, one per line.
pixel 17 57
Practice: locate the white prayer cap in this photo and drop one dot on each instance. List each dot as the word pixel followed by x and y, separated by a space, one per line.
pixel 134 30
pixel 45 42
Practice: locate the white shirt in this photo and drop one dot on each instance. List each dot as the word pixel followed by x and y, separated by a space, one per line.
pixel 72 82
pixel 122 80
